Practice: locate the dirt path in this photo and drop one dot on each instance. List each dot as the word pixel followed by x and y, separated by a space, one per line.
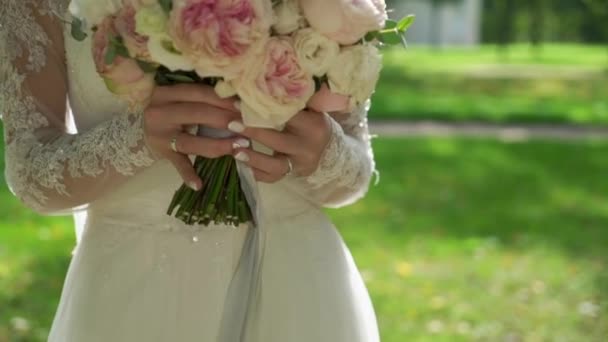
pixel 507 132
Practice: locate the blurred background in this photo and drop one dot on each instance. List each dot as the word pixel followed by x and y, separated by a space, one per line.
pixel 490 218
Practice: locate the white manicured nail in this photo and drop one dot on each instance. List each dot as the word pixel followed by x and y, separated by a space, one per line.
pixel 241 143
pixel 242 156
pixel 236 127
pixel 194 186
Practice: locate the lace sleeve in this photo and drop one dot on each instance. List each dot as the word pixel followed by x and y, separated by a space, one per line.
pixel 346 168
pixel 47 168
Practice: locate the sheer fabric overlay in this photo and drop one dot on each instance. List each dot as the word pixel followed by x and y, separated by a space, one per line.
pixel 48 168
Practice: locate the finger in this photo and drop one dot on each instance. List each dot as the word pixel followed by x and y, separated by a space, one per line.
pixel 303 120
pixel 264 177
pixel 278 141
pixel 180 114
pixel 191 93
pixel 277 166
pixel 184 167
pixel 206 147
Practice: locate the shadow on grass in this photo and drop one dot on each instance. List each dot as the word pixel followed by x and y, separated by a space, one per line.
pixel 547 192
pixel 522 195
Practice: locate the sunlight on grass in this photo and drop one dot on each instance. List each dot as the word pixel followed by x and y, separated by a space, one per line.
pixel 462 240
pixel 569 86
pixel 588 57
pixel 478 240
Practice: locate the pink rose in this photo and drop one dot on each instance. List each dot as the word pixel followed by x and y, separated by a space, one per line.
pixel 125 27
pixel 123 77
pixel 345 21
pixel 274 87
pixel 325 101
pixel 220 35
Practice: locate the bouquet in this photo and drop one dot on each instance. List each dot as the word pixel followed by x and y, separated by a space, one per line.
pixel 277 57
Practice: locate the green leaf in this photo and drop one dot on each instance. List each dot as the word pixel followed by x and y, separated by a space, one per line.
pixel 180 78
pixel 110 54
pixel 392 38
pixel 119 46
pixel 122 50
pixel 370 36
pixel 148 68
pixel 111 85
pixel 166 5
pixel 77 31
pixel 390 24
pixel 406 22
pixel 404 41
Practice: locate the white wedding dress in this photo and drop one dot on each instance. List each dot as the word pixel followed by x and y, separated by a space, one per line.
pixel 138 274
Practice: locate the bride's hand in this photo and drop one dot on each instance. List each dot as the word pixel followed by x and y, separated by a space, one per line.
pixel 172 110
pixel 302 144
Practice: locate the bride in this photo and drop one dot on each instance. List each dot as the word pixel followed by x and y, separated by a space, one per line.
pixel 140 275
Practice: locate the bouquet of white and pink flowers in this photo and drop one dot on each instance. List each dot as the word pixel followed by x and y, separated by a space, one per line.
pixel 277 57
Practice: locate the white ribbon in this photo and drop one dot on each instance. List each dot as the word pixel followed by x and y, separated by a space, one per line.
pixel 241 304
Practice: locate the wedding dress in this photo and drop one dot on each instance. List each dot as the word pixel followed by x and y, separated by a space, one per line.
pixel 138 274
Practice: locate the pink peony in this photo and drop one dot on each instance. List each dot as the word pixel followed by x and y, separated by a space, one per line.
pixel 325 101
pixel 345 21
pixel 274 86
pixel 220 35
pixel 123 77
pixel 125 27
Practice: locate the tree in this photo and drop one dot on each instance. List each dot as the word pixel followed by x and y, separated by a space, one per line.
pixel 538 12
pixel 599 12
pixel 506 17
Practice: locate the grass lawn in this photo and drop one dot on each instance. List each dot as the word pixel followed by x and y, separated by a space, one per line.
pixel 455 59
pixel 564 84
pixel 462 240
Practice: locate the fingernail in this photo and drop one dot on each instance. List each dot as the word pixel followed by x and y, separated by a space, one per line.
pixel 194 186
pixel 241 143
pixel 236 127
pixel 242 156
pixel 237 105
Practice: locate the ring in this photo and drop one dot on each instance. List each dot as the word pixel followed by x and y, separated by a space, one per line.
pixel 290 167
pixel 173 145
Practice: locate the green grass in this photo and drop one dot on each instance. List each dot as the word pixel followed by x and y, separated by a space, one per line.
pixel 462 240
pixel 566 84
pixel 459 59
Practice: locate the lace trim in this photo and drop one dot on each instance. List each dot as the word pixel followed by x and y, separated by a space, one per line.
pixel 348 160
pixel 34 165
pixel 21 33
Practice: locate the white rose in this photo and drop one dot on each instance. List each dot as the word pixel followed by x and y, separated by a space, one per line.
pixel 316 52
pixel 224 90
pixel 346 21
pixel 93 12
pixel 151 21
pixel 355 72
pixel 289 17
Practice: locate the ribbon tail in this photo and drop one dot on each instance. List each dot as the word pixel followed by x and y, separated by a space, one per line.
pixel 240 306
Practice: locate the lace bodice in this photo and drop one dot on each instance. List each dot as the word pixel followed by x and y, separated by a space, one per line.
pixel 69 142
